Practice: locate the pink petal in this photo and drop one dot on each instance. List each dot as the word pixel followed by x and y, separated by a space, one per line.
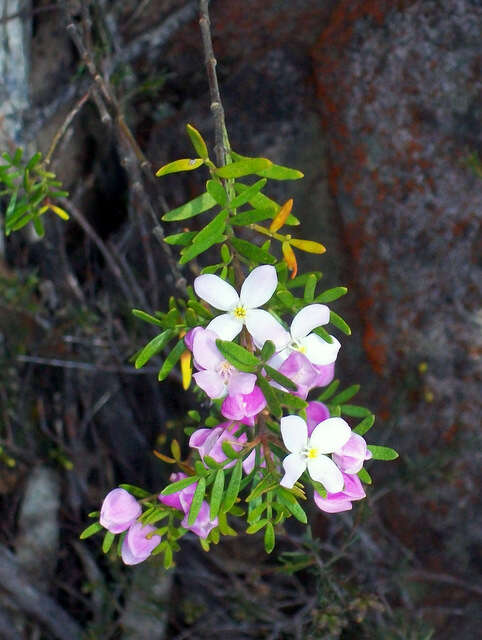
pixel 316 412
pixel 294 433
pixel 352 455
pixel 119 510
pixel 326 373
pixel 331 504
pixel 136 547
pixel 259 286
pixel 310 317
pixel 263 326
pixel 299 369
pixel 204 349
pixel 241 382
pixel 203 524
pixel 225 326
pixel 330 435
pixel 243 405
pixel 216 292
pixel 211 383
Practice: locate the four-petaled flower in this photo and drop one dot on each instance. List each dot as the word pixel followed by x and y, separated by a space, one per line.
pixel 242 309
pixel 310 452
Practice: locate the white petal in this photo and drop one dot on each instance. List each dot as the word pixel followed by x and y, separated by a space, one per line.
pixel 259 286
pixel 277 360
pixel 294 465
pixel 263 326
pixel 294 432
pixel 324 470
pixel 226 326
pixel 216 292
pixel 310 317
pixel 318 351
pixel 330 435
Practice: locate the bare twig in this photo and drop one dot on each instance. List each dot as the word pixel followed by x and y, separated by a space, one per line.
pixel 85 366
pixel 221 141
pixel 65 125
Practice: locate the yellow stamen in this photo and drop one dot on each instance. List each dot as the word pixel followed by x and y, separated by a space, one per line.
pixel 312 453
pixel 240 313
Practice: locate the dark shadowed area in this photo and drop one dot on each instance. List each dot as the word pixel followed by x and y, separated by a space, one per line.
pixel 378 102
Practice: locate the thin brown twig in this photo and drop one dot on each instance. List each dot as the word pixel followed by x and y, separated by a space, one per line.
pixel 65 125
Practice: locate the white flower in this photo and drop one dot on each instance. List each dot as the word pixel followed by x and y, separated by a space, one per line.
pixel 242 309
pixel 317 350
pixel 328 436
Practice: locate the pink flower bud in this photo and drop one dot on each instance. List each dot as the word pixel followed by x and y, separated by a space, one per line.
pixel 203 524
pixel 341 501
pixel 209 441
pixel 119 510
pixel 242 406
pixel 352 455
pixel 136 546
pixel 299 369
pixel 316 412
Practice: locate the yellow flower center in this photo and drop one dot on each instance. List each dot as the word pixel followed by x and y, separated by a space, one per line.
pixel 240 313
pixel 298 347
pixel 312 453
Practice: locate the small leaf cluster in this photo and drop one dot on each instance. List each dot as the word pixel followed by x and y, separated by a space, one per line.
pixel 31 191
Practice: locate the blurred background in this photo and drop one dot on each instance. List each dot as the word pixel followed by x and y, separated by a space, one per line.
pixel 378 103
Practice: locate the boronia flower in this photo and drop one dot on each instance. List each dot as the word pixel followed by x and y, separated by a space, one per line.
pixel 209 442
pixel 244 406
pixel 136 546
pixel 309 452
pixel 217 377
pixel 341 501
pixel 242 309
pixel 352 455
pixel 119 510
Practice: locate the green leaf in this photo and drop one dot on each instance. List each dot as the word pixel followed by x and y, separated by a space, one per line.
pixel 260 201
pixel 291 401
pixel 364 476
pixel 214 228
pixel 339 323
pixel 107 543
pixel 331 294
pixel 256 526
pixel 200 309
pixel 154 346
pixel 242 168
pixel 233 487
pixel 382 453
pixel 197 501
pixel 194 415
pixel 246 195
pixel 135 491
pixel 252 252
pixel 278 172
pixel 171 360
pixel 323 333
pixel 238 356
pixel 216 494
pixel 365 425
pixel 267 351
pixel 228 450
pixel 270 397
pixel 38 226
pixel 268 482
pixel 147 318
pixel 91 530
pixel 194 207
pixel 217 191
pixel 256 513
pixel 329 391
pixel 292 505
pixel 196 248
pixel 280 378
pixel 355 411
pixel 34 160
pixel 269 538
pixel 186 164
pixel 179 485
pixel 197 141
pixel 346 394
pixel 310 287
pixel 300 281
pixel 225 254
pixel 182 239
pixel 251 216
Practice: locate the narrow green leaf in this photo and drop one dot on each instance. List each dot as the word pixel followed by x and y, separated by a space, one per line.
pixel 270 396
pixel 267 351
pixel 331 294
pixel 217 191
pixel 346 394
pixel 38 226
pixel 329 391
pixel 225 254
pixel 91 530
pixel 188 253
pixel 269 538
pixel 197 141
pixel 198 205
pixel 147 318
pixel 382 453
pixel 260 201
pixel 197 501
pixel 242 168
pixel 268 482
pixel 280 378
pixel 252 252
pixel 216 494
pixel 185 164
pixel 233 487
pixel 238 356
pixel 167 560
pixel 152 348
pixel 293 506
pixel 278 172
pixel 339 323
pixel 256 513
pixel 355 411
pixel 365 425
pixel 94 514
pixel 364 476
pixel 179 485
pixel 256 526
pixel 251 216
pixel 34 160
pixel 228 450
pixel 214 228
pixel 323 333
pixel 182 239
pixel 246 195
pixel 194 415
pixel 200 309
pixel 135 491
pixel 291 401
pixel 107 543
pixel 310 286
pixel 300 281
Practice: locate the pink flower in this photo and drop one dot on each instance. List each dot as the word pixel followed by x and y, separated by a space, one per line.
pixel 351 456
pixel 182 500
pixel 326 373
pixel 341 501
pixel 217 376
pixel 209 441
pixel 119 510
pixel 316 412
pixel 299 369
pixel 243 405
pixel 136 546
